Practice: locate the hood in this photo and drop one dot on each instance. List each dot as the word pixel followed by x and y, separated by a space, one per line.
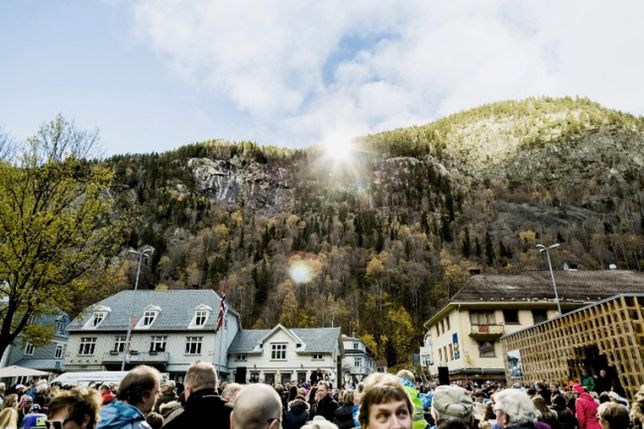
pixel 119 414
pixel 298 405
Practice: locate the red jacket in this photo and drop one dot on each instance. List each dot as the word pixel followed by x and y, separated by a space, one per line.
pixel 586 408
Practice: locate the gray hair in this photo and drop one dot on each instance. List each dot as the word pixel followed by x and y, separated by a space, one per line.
pixel 517 405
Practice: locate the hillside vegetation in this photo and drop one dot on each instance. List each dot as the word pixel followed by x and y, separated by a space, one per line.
pixel 391 236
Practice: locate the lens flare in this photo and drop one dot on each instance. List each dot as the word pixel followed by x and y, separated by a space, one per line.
pixel 301 271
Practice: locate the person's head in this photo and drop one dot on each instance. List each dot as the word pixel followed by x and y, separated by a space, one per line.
pixel 77 408
pixel 168 386
pixel 406 374
pixel 602 373
pixel 231 391
pixel 347 397
pixel 384 403
pixel 104 389
pixel 3 387
pixel 10 401
pixel 513 407
pixel 559 402
pixel 200 375
pixel 319 424
pixel 26 402
pixel 140 387
pixel 323 390
pixel 612 416
pixel 155 420
pixel 452 403
pixel 578 389
pixel 258 406
pixel 540 404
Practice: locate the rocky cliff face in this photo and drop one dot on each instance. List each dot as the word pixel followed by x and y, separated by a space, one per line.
pixel 240 181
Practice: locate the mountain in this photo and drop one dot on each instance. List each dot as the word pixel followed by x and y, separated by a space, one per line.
pixel 376 245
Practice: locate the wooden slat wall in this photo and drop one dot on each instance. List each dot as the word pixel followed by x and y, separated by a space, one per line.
pixel 554 350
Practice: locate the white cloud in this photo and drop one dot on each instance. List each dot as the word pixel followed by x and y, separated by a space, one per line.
pixel 306 69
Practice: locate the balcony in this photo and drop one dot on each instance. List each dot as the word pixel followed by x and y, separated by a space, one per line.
pixel 487 331
pixel 153 358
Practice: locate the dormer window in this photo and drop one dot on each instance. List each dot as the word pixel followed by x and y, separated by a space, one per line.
pixel 201 316
pixel 98 317
pixel 150 314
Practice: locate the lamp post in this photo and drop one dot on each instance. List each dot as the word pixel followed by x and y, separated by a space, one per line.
pixel 143 253
pixel 546 249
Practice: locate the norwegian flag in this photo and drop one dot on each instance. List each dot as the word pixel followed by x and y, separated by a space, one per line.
pixel 222 312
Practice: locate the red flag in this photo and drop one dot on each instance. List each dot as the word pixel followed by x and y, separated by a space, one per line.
pixel 222 312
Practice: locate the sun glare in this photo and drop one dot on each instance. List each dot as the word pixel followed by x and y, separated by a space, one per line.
pixel 300 271
pixel 339 150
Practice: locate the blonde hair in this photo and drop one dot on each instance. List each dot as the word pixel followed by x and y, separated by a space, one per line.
pixel 9 418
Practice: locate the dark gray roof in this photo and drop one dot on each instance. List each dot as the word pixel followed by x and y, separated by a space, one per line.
pixel 315 339
pixel 572 286
pixel 177 309
pixel 42 364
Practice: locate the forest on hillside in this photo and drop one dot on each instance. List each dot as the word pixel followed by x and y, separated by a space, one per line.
pixel 383 242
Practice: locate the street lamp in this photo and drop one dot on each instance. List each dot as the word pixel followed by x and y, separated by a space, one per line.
pixel 143 253
pixel 546 249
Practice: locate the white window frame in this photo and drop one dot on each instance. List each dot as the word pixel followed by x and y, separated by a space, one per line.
pixel 158 343
pixel 98 317
pixel 193 345
pixel 318 356
pixel 59 352
pixel 29 349
pixel 149 316
pixel 119 343
pixel 356 346
pixel 87 346
pixel 278 351
pixel 60 327
pixel 241 357
pixel 357 361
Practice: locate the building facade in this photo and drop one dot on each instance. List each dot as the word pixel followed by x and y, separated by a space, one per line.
pixel 170 330
pixel 357 362
pixel 44 358
pixel 464 336
pixel 281 355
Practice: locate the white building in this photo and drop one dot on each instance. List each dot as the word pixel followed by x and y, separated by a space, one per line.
pixel 357 362
pixel 282 355
pixel 171 330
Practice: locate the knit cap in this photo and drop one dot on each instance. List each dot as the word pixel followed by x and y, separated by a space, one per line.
pixel 452 401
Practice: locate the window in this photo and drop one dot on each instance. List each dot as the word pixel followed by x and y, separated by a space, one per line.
pixel 148 317
pixel 29 349
pixel 482 317
pixel 31 319
pixel 157 343
pixel 278 351
pixel 60 327
pixel 193 345
pixel 356 346
pixel 486 349
pixel 318 356
pixel 511 317
pixel 99 316
pixel 87 346
pixel 437 331
pixel 451 352
pixel 201 317
pixel 119 344
pixel 447 321
pixel 440 355
pixel 539 316
pixel 240 357
pixel 357 361
pixel 60 350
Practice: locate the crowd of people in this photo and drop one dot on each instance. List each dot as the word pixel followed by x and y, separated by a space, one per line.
pixel 142 400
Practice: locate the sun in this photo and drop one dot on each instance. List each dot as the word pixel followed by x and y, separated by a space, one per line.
pixel 340 150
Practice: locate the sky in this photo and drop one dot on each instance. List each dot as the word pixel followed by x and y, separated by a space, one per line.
pixel 154 75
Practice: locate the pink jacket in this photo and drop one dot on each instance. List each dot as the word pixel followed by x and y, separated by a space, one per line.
pixel 586 408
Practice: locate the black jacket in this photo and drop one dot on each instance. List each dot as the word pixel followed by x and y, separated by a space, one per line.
pixel 344 416
pixel 297 414
pixel 326 408
pixel 203 408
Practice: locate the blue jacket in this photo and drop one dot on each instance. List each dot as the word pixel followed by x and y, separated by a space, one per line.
pixel 119 415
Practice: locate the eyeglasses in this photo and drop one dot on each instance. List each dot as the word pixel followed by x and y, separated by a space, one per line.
pixel 57 424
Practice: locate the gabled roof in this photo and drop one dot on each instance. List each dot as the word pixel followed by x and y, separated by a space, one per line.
pixel 575 288
pixel 314 339
pixel 572 286
pixel 177 309
pixel 289 332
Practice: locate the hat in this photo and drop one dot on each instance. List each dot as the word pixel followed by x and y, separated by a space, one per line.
pixel 452 401
pixel 578 389
pixel 20 386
